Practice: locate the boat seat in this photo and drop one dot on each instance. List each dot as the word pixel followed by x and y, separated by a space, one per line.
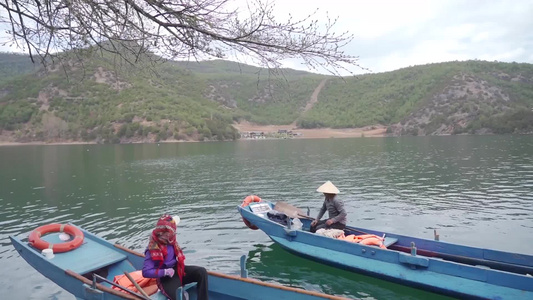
pixel 182 289
pixel 90 256
pixel 389 241
pixel 118 268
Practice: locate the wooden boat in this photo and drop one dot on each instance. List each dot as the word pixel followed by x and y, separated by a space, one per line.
pixel 450 269
pixel 87 271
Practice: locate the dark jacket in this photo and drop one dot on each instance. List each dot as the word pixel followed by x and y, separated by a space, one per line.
pixel 335 208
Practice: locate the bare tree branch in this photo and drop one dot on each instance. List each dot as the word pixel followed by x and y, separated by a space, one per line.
pixel 178 29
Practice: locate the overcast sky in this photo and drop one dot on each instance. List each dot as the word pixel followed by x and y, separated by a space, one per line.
pixel 389 34
pixel 395 34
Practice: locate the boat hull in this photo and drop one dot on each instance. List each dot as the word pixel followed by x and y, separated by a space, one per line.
pixel 454 278
pixel 71 270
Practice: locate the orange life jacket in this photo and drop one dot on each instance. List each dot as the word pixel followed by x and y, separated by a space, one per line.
pixel 365 239
pixel 149 285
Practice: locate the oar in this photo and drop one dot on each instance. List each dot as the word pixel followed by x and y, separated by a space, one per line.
pixel 360 231
pixel 294 212
pixel 139 288
pixel 290 210
pixel 120 287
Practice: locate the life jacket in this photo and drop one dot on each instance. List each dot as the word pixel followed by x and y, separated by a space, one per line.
pixel 149 285
pixel 365 239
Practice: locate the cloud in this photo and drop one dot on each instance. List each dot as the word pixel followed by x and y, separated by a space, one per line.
pixel 389 35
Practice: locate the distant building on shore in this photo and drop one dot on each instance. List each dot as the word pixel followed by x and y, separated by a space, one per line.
pixel 280 134
pixel 253 135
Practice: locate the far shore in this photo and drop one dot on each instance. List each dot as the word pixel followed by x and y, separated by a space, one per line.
pixel 320 133
pixel 316 133
pixel 8 143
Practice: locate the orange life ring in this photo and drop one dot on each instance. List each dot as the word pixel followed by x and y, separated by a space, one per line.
pixel 36 241
pixel 246 202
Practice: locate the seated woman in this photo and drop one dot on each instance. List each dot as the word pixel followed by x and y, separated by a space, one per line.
pixel 164 260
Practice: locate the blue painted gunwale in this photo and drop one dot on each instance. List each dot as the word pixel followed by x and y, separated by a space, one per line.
pixel 426 272
pixel 96 253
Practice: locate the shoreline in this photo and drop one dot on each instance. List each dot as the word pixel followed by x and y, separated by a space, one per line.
pixel 320 133
pixel 316 133
pixel 7 144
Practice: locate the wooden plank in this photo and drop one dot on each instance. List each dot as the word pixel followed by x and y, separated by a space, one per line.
pixel 101 287
pixel 414 260
pixel 469 260
pixel 290 210
pixel 128 250
pixel 89 257
pixel 389 241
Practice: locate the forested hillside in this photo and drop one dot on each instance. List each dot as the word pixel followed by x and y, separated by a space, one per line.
pixel 12 65
pixel 445 98
pixel 98 100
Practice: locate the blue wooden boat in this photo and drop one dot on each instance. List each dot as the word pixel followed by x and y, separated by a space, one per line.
pixel 450 269
pixel 87 272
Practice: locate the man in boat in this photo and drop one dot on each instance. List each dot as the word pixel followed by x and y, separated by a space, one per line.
pixel 165 261
pixel 334 206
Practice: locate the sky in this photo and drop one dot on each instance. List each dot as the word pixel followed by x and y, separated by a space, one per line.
pixel 389 35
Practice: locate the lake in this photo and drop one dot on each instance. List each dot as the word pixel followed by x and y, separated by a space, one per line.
pixel 474 190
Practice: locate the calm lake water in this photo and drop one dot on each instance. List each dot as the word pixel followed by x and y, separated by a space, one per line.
pixel 475 190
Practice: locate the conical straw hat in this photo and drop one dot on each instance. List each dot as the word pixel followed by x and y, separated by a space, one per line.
pixel 328 188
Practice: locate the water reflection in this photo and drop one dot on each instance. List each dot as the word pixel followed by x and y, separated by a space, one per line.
pixel 266 262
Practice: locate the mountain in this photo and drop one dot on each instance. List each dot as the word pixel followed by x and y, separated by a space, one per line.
pixel 101 99
pixel 475 97
pixel 12 65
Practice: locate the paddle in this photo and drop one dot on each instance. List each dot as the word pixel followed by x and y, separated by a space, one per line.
pixel 294 212
pixel 117 285
pixel 290 210
pixel 136 284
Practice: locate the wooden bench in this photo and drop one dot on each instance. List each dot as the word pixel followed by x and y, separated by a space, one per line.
pixel 389 241
pixel 88 257
pixel 181 291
